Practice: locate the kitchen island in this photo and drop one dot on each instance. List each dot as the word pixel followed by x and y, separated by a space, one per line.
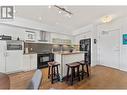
pixel 64 58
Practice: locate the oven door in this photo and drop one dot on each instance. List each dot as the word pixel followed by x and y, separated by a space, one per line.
pixel 43 60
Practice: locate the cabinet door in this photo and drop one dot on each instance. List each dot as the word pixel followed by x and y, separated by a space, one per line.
pixel 2 56
pixel 13 61
pixel 30 36
pixel 26 63
pixel 33 61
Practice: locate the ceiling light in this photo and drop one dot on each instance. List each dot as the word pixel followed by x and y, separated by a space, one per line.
pixel 57 23
pixel 106 19
pixel 49 6
pixel 40 18
pixel 60 12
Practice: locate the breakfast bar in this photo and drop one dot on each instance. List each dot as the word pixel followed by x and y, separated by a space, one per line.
pixel 64 58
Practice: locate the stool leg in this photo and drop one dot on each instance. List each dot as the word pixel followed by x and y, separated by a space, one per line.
pixel 67 73
pixel 58 77
pixel 78 73
pixel 52 74
pixel 49 72
pixel 87 68
pixel 72 75
pixel 74 72
pixel 83 71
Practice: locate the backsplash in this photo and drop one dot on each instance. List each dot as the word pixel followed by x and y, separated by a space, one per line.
pixel 41 47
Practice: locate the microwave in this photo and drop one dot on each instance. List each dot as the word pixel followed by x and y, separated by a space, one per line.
pixel 14 45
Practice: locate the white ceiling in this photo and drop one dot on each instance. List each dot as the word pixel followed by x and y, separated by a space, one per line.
pixel 82 15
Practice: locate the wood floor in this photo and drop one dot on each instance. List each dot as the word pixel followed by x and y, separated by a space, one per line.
pixel 101 78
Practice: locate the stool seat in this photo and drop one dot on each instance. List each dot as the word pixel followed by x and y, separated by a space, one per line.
pixel 53 63
pixel 83 63
pixel 75 64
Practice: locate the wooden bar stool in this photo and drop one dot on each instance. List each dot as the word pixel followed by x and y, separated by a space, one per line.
pixel 83 72
pixel 73 67
pixel 53 71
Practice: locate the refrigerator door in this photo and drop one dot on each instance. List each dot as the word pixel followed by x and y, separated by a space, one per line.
pixel 85 45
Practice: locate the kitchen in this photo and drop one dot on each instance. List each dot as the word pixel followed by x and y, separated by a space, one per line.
pixel 32 45
pixel 32 49
pixel 30 42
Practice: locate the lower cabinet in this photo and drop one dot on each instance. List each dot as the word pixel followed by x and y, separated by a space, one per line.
pixel 13 61
pixel 29 62
pixel 33 61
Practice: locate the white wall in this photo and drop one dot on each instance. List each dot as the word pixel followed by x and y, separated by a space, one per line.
pixel 12 31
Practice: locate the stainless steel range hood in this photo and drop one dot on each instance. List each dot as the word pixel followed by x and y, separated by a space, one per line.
pixel 43 35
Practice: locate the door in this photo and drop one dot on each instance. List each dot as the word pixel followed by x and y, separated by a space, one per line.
pixel 109 45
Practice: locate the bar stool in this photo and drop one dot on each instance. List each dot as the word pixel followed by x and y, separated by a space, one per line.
pixel 53 71
pixel 82 63
pixel 73 67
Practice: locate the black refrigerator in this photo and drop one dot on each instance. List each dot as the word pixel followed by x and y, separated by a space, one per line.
pixel 85 45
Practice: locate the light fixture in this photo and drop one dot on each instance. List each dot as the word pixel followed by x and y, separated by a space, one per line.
pixel 49 6
pixel 106 19
pixel 60 12
pixel 64 10
pixel 40 18
pixel 57 23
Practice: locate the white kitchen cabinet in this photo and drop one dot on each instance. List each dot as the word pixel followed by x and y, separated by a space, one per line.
pixel 33 61
pixel 26 63
pixel 10 60
pixel 2 56
pixel 30 36
pixel 29 62
pixel 13 61
pixel 63 39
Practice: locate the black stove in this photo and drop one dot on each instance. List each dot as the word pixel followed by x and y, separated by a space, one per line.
pixel 43 59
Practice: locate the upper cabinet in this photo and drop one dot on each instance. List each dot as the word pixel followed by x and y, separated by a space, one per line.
pixel 61 39
pixel 30 36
